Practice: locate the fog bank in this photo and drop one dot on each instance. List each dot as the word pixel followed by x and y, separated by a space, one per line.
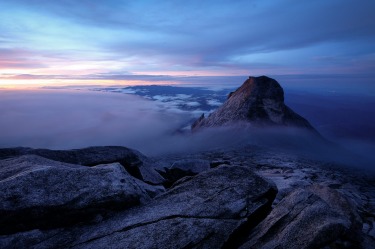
pixel 63 119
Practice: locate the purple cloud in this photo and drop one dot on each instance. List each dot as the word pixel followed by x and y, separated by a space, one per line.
pixel 212 36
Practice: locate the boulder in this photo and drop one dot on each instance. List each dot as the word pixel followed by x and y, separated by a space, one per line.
pixel 133 161
pixel 312 218
pixel 205 212
pixel 259 102
pixel 193 166
pixel 182 168
pixel 40 193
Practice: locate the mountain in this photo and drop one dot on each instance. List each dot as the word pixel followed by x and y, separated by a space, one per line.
pixel 259 102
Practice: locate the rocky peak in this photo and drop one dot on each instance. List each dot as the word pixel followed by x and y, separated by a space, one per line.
pixel 259 101
pixel 261 87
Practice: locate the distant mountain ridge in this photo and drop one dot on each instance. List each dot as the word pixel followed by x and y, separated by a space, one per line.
pixel 260 102
pixel 189 99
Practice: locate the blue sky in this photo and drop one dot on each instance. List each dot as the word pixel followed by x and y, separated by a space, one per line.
pixel 69 40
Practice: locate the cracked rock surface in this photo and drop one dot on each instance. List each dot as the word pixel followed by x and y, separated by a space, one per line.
pixel 133 161
pixel 36 192
pixel 290 172
pixel 200 213
pixel 308 218
pixel 234 204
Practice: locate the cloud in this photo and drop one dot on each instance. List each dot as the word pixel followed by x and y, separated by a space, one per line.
pixel 18 58
pixel 73 119
pixel 141 36
pixel 238 29
pixel 203 81
pixel 63 119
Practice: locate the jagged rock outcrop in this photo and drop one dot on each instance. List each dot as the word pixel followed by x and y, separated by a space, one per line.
pixel 260 102
pixel 205 212
pixel 40 193
pixel 193 166
pixel 312 218
pixel 183 168
pixel 133 161
pixel 225 207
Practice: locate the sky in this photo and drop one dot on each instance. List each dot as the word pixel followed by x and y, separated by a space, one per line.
pixel 122 42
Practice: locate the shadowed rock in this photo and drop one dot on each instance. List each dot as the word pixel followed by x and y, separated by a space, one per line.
pixel 260 102
pixel 40 193
pixel 201 213
pixel 182 168
pixel 311 218
pixel 133 161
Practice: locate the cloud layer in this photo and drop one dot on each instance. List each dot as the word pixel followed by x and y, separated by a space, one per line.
pixel 63 119
pixel 67 37
pixel 73 119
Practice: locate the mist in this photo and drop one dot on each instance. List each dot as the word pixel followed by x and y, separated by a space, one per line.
pixel 353 153
pixel 64 119
pixel 69 119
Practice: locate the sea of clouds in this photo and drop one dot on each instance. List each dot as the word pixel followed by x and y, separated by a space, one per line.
pixel 69 119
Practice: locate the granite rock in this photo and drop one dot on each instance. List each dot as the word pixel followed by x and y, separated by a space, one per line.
pixel 258 102
pixel 309 218
pixel 40 193
pixel 182 168
pixel 133 161
pixel 205 212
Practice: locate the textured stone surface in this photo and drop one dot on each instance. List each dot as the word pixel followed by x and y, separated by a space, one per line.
pixel 290 171
pixel 180 218
pixel 133 161
pixel 259 101
pixel 183 168
pixel 40 193
pixel 201 213
pixel 194 166
pixel 312 218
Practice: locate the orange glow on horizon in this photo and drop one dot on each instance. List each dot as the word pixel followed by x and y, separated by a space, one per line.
pixel 195 73
pixel 38 83
pixel 29 80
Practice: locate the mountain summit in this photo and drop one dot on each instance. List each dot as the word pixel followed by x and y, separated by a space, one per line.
pixel 259 101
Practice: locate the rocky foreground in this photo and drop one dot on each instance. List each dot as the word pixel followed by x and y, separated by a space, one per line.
pixel 247 197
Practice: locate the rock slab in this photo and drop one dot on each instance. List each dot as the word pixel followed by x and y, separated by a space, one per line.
pixel 40 193
pixel 204 212
pixel 183 168
pixel 133 161
pixel 309 218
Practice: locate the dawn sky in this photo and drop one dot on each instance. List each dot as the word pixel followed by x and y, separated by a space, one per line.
pixel 88 41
